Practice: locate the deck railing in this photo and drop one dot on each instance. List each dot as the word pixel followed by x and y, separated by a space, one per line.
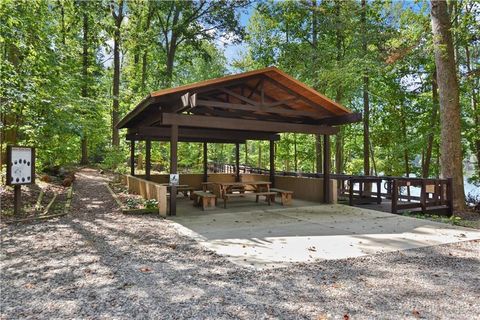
pixel 357 189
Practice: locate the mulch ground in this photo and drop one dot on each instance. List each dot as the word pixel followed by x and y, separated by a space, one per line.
pixel 97 263
pixel 30 195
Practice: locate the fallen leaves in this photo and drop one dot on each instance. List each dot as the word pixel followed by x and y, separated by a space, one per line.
pixel 145 269
pixel 415 313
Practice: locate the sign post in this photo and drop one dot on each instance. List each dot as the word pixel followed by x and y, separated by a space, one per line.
pixel 20 170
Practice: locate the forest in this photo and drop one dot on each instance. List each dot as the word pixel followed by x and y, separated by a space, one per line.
pixel 71 69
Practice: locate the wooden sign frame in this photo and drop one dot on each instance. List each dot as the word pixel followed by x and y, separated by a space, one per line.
pixel 10 164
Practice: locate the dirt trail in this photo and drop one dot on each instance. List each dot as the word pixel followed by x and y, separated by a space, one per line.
pixel 97 263
pixel 91 194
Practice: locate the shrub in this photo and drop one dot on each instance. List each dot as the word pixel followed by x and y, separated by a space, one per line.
pixel 114 160
pixel 151 204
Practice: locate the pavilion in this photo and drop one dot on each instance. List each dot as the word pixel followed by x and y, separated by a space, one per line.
pixel 255 105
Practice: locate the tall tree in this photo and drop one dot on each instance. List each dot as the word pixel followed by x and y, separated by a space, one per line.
pixel 366 99
pixel 450 121
pixel 190 22
pixel 339 91
pixel 426 160
pixel 117 14
pixel 85 75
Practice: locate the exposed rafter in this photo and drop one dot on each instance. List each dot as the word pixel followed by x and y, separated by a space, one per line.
pixel 200 133
pixel 242 124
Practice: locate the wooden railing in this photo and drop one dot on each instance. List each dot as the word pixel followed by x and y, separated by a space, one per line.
pixel 434 193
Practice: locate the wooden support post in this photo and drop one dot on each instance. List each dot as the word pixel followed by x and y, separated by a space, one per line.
pixel 450 196
pixel 272 163
pixel 132 157
pixel 379 192
pixel 394 195
pixel 326 168
pixel 205 162
pixel 237 162
pixel 389 189
pixel 423 196
pixel 173 168
pixel 436 193
pixel 148 164
pixel 17 199
pixel 351 183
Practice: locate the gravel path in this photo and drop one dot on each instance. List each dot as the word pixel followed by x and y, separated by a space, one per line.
pixel 98 264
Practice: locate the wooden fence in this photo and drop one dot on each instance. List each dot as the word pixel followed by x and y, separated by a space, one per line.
pixel 435 194
pixel 148 190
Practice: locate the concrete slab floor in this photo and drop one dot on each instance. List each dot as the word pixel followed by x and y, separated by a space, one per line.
pixel 261 236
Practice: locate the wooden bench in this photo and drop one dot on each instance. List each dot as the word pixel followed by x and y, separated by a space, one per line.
pixel 186 190
pixel 285 195
pixel 206 199
pixel 230 195
pixel 269 196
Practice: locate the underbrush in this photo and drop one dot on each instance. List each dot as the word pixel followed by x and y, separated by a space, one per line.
pixel 469 219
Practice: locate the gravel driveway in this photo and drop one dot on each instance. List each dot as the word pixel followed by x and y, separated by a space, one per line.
pixel 98 264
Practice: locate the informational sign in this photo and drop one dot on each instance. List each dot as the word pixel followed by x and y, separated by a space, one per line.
pixel 174 179
pixel 20 165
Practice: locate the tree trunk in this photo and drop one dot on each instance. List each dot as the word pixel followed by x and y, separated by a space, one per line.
pixel 366 99
pixel 339 94
pixel 259 165
pixel 474 102
pixel 10 118
pixel 118 18
pixel 405 148
pixel 318 137
pixel 144 57
pixel 169 67
pixel 171 50
pixel 295 158
pixel 450 123
pixel 433 123
pixel 116 91
pixel 116 88
pixel 246 153
pixel 84 143
pixel 62 21
pixel 319 151
pixel 84 91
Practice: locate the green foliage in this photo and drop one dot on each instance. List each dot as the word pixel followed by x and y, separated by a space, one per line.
pixel 115 160
pixel 453 220
pixel 49 100
pixel 133 203
pixel 151 204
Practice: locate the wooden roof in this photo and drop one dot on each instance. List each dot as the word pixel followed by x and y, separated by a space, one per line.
pixel 267 100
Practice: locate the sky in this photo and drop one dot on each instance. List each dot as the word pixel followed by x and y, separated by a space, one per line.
pixel 232 51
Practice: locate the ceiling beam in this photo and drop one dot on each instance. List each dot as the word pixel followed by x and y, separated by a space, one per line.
pixel 234 113
pixel 242 124
pixel 290 91
pixel 239 96
pixel 206 134
pixel 276 110
pixel 136 137
pixel 254 89
pixel 344 119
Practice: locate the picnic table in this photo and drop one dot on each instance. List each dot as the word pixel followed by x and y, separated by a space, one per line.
pixel 184 188
pixel 226 189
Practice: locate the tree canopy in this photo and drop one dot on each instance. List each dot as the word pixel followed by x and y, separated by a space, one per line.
pixel 70 69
